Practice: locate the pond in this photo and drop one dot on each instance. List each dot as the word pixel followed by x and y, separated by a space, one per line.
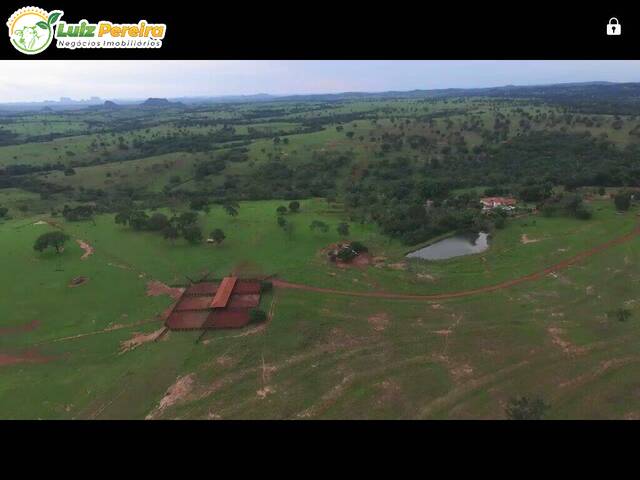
pixel 454 246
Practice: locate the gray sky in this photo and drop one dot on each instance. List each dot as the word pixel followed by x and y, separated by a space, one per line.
pixel 25 80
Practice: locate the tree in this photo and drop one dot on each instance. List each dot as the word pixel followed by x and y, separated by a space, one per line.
pixel 157 222
pixel 192 234
pixel 281 210
pixel 199 204
pixel 218 236
pixel 185 220
pixel 51 239
pixel 319 225
pixel 76 214
pixel 170 233
pixel 122 218
pixel 343 229
pixel 231 208
pixel 583 213
pixel 282 222
pixel 622 201
pixel 621 314
pixel 138 220
pixel 3 212
pixel 525 408
pixel 294 207
pixel 289 228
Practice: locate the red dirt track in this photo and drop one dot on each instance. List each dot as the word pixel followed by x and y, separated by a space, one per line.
pixel 465 293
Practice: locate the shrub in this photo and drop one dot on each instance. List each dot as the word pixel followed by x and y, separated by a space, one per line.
pixel 622 201
pixel 525 408
pixel 346 254
pixel 257 316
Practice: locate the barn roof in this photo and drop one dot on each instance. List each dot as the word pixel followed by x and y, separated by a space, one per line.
pixel 221 298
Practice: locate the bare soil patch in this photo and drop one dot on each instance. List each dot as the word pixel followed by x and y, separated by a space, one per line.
pixel 77 281
pixel 25 327
pixel 524 239
pixel 566 346
pixel 398 266
pixel 426 276
pixel 379 322
pixel 601 369
pixel 28 356
pixel 328 399
pixel 88 249
pixel 362 260
pixel 139 339
pixel 389 392
pixel 264 392
pixel 156 288
pixel 175 393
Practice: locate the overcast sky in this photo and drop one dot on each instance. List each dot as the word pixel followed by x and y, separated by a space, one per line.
pixel 25 80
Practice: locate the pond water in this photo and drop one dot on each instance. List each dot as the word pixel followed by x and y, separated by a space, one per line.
pixel 455 246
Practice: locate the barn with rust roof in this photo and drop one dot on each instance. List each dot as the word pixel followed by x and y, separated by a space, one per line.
pixel 216 304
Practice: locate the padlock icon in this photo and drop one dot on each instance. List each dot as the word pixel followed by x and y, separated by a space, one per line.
pixel 614 28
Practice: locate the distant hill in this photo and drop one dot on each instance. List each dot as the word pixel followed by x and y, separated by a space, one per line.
pixel 589 96
pixel 160 102
pixel 586 95
pixel 108 104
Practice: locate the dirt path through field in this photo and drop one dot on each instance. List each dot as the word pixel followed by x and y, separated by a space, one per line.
pixel 465 293
pixel 88 249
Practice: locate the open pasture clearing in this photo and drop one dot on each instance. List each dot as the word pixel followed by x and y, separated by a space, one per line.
pixel 319 356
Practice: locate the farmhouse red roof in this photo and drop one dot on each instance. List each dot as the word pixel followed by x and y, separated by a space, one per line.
pixel 498 200
pixel 221 298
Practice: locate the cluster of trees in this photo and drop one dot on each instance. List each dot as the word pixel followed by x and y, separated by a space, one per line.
pixel 318 225
pixel 294 207
pixel 280 178
pixel 287 226
pixel 566 204
pixel 408 165
pixel 182 225
pixel 78 213
pixel 399 207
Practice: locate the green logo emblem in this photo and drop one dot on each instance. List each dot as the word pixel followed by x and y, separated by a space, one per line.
pixel 31 29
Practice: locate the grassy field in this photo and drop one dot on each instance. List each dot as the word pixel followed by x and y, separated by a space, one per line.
pixel 320 355
pixel 88 351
